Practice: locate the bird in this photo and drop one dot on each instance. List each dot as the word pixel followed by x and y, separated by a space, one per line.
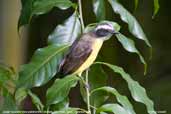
pixel 85 49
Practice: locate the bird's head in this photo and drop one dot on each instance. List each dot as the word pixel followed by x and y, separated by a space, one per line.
pixel 104 31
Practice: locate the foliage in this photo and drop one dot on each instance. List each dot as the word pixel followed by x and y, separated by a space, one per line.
pixel 45 62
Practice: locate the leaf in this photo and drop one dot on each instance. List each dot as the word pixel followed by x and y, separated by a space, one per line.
pixel 123 100
pixel 66 111
pixel 20 95
pixel 61 105
pixel 66 33
pixel 44 6
pixel 126 16
pixel 137 91
pixel 99 9
pixel 114 108
pixel 156 7
pixel 36 101
pixel 129 45
pixel 42 67
pixel 38 7
pixel 60 89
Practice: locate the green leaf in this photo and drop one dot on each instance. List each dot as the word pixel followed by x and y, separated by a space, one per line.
pixel 126 16
pixel 36 101
pixel 66 111
pixel 114 108
pixel 5 75
pixel 61 105
pixel 42 67
pixel 156 7
pixel 67 32
pixel 129 45
pixel 123 100
pixel 20 95
pixel 60 89
pixel 137 91
pixel 99 9
pixel 37 7
pixel 44 6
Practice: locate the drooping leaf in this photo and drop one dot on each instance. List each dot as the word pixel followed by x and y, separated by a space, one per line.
pixel 123 100
pixel 36 101
pixel 99 9
pixel 114 108
pixel 156 7
pixel 137 91
pixel 129 45
pixel 42 67
pixel 126 16
pixel 67 32
pixel 44 6
pixel 60 89
pixel 37 7
pixel 20 95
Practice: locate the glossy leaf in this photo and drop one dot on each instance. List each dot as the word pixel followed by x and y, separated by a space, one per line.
pixel 36 101
pixel 44 6
pixel 61 105
pixel 114 108
pixel 137 91
pixel 99 9
pixel 66 111
pixel 60 89
pixel 66 33
pixel 126 16
pixel 37 7
pixel 42 67
pixel 156 7
pixel 123 100
pixel 129 45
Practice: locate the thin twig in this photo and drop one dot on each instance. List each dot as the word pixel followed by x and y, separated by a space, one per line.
pixel 88 93
pixel 81 14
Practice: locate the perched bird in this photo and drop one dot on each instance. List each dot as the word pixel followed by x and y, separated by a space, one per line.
pixel 85 49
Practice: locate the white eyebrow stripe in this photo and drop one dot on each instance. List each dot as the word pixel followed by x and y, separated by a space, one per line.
pixel 104 27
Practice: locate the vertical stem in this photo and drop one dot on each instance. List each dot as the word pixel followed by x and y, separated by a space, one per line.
pixel 88 93
pixel 81 14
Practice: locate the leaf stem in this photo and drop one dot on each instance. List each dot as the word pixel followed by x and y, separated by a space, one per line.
pixel 81 14
pixel 88 93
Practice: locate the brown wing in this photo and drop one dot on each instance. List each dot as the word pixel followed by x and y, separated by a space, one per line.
pixel 79 52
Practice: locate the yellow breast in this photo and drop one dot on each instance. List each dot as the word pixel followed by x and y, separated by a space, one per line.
pixel 96 46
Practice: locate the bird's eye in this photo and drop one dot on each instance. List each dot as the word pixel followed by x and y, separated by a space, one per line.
pixel 102 32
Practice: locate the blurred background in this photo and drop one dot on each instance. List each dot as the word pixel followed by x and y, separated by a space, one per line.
pixel 17 49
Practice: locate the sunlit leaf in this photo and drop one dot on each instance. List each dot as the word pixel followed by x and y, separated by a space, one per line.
pixel 36 101
pixel 99 9
pixel 137 91
pixel 126 16
pixel 66 33
pixel 129 45
pixel 60 89
pixel 114 108
pixel 156 7
pixel 123 100
pixel 42 67
pixel 61 105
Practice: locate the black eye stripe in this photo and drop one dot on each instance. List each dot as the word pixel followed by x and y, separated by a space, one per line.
pixel 102 32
